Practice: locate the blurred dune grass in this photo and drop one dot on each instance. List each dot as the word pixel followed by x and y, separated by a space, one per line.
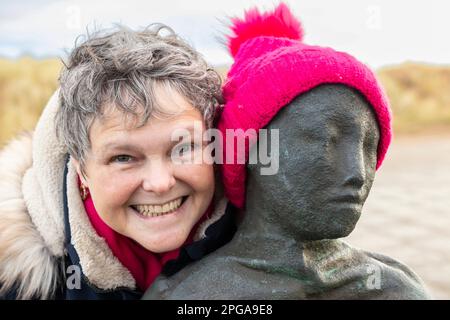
pixel 25 86
pixel 419 94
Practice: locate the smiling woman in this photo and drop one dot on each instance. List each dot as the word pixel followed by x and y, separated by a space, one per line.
pixel 137 189
pixel 96 188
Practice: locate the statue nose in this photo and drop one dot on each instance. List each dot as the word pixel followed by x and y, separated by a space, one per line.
pixel 355 171
pixel 355 179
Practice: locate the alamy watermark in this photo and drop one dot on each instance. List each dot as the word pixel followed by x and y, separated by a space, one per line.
pixel 73 277
pixel 374 18
pixel 242 147
pixel 374 277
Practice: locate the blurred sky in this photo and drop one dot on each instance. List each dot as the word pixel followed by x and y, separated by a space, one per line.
pixel 378 32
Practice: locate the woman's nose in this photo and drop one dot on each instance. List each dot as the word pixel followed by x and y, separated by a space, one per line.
pixel 158 177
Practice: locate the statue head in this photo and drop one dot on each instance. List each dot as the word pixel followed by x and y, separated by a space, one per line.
pixel 333 118
pixel 328 140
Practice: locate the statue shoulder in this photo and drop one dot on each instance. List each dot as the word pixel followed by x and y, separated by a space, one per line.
pixel 200 280
pixel 396 279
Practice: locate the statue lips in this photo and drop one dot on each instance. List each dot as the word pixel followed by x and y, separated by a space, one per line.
pixel 350 198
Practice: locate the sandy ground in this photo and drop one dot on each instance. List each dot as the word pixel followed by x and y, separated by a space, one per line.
pixel 407 214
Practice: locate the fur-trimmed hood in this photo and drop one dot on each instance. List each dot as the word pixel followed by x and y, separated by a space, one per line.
pixel 32 237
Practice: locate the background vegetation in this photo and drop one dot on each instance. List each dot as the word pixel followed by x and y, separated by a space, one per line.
pixel 419 94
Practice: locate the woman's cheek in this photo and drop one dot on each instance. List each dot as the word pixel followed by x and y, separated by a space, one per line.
pixel 118 186
pixel 201 177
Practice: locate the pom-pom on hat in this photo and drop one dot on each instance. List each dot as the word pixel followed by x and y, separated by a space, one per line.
pixel 271 67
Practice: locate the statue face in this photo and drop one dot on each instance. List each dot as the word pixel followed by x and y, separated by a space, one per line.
pixel 328 153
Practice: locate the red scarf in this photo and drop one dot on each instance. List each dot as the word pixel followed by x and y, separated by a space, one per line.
pixel 144 265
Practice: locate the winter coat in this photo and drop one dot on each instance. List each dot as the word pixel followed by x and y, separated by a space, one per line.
pixel 48 247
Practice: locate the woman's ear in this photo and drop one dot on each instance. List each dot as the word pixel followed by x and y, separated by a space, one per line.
pixel 80 172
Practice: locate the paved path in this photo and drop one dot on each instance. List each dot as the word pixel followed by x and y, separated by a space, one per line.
pixel 407 214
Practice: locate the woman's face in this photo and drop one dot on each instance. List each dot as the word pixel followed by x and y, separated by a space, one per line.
pixel 137 187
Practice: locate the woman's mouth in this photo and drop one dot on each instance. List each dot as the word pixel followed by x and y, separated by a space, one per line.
pixel 154 210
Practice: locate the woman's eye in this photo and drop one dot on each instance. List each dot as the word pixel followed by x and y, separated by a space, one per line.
pixel 123 158
pixel 184 149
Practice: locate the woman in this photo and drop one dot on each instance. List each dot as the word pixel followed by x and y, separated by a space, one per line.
pixel 93 204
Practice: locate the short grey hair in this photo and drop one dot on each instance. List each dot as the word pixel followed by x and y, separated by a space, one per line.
pixel 121 67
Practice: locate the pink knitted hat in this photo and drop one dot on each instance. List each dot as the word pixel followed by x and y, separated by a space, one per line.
pixel 272 67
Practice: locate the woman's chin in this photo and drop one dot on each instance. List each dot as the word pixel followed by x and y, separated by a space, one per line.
pixel 161 248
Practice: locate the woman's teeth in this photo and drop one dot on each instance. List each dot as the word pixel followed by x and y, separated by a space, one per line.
pixel 158 210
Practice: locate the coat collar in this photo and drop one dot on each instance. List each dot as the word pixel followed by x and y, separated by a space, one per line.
pixel 33 236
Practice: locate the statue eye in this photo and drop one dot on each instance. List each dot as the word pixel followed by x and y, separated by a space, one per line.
pixel 333 138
